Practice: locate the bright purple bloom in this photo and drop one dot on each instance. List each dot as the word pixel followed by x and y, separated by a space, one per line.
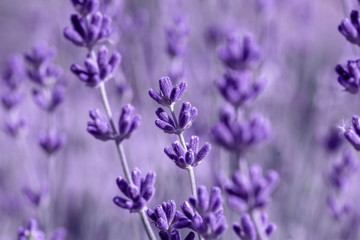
pixel 337 208
pixel 168 95
pixel 90 30
pixel 192 157
pixel 49 100
pixel 98 68
pixel 51 141
pixel 176 37
pixel 32 232
pixel 168 125
pixel 138 193
pixel 239 87
pixel 349 76
pixel 352 134
pixel 33 196
pixel 240 54
pixel 99 126
pixel 350 28
pixel 206 213
pixel 247 193
pixel 239 137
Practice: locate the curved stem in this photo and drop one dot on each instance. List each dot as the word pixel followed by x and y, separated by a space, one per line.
pixel 122 156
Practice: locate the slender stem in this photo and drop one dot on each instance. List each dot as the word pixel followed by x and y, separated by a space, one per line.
pixel 259 229
pixel 122 156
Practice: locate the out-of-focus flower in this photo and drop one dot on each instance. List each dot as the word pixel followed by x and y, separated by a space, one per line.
pixel 11 99
pixel 14 125
pixel 247 193
pixel 246 229
pixel 138 193
pixel 333 140
pixel 337 208
pixel 349 76
pixel 352 133
pixel 85 7
pixel 239 137
pixel 341 171
pixel 349 28
pixel 238 88
pixel 49 100
pixel 177 36
pixel 51 141
pixel 168 95
pixel 98 68
pixel 206 213
pixel 240 54
pixel 90 30
pixel 14 73
pixel 32 232
pixel 191 157
pixel 176 126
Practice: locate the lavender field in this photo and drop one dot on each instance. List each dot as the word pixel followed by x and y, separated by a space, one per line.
pixel 180 120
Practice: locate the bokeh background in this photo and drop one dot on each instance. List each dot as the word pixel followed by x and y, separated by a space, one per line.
pixel 303 101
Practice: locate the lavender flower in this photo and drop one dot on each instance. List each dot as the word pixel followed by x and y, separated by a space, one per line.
pixel 32 232
pixel 349 76
pixel 342 171
pixel 127 122
pixel 14 125
pixel 138 192
pixel 238 88
pixel 176 126
pixel 85 7
pixel 350 28
pixel 246 230
pixel 168 95
pixel 247 193
pixel 14 73
pixel 239 137
pixel 89 30
pixel 98 68
pixel 51 141
pixel 176 37
pixel 333 140
pixel 352 134
pixel 206 213
pixel 175 235
pixel 11 99
pixel 239 55
pixel 49 100
pixel 192 157
pixel 99 127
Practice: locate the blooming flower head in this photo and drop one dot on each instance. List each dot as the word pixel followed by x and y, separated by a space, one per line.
pixel 240 54
pixel 349 76
pixel 349 28
pixel 175 126
pixel 192 156
pixel 250 192
pixel 168 95
pixel 137 193
pixel 206 213
pixel 98 68
pixel 128 122
pixel 32 232
pixel 51 141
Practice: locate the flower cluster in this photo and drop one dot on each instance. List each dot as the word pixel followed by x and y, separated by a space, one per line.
pixel 349 76
pixel 89 27
pixel 247 193
pixel 191 156
pixel 12 95
pixel 240 136
pixel 98 68
pixel 101 129
pixel 206 213
pixel 168 95
pixel 246 229
pixel 138 191
pixel 349 28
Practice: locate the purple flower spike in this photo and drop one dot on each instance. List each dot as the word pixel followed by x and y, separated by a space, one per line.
pixel 51 141
pixel 49 101
pixel 349 28
pixel 99 127
pixel 176 37
pixel 163 215
pixel 246 229
pixel 192 157
pixel 168 95
pixel 88 31
pixel 32 231
pixel 252 192
pixel 240 55
pixel 85 7
pixel 98 68
pixel 127 122
pixel 349 76
pixel 342 171
pixel 137 194
pixel 206 213
pixel 238 88
pixel 240 137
